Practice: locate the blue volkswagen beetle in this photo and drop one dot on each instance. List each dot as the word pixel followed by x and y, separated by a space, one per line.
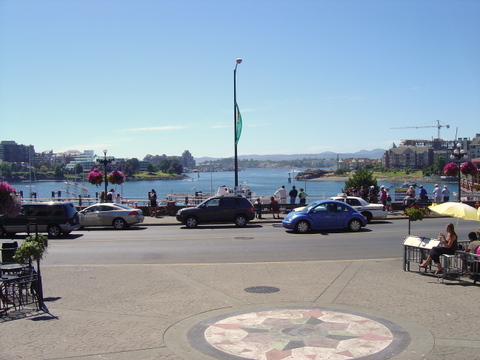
pixel 324 214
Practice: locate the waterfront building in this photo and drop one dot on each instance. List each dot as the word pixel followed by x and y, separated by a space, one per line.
pixel 419 154
pixel 87 159
pixel 12 152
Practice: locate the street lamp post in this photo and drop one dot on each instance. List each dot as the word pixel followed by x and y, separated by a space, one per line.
pixel 235 115
pixel 105 162
pixel 459 154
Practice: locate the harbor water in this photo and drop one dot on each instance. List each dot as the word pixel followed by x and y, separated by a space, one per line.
pixel 261 182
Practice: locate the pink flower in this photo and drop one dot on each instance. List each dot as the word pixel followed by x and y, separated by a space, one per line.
pixel 95 177
pixel 116 177
pixel 10 204
pixel 6 188
pixel 451 169
pixel 469 168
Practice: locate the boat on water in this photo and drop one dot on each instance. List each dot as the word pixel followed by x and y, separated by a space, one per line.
pixel 243 190
pixel 449 178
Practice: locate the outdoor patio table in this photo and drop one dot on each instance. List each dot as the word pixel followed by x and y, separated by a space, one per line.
pixel 13 269
pixel 18 291
pixel 6 290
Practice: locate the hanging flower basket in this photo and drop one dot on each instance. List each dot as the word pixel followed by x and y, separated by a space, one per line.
pixel 415 213
pixel 116 177
pixel 451 169
pixel 95 177
pixel 469 168
pixel 10 203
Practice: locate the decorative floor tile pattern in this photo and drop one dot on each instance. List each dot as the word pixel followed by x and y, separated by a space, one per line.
pixel 298 333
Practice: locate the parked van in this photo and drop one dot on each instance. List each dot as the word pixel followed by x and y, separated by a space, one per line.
pixel 53 218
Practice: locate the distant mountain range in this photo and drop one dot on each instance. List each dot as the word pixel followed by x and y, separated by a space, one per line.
pixel 370 154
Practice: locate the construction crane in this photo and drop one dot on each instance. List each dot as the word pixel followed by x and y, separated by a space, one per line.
pixel 438 126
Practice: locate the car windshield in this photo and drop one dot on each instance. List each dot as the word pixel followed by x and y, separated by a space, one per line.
pixel 306 209
pixel 209 203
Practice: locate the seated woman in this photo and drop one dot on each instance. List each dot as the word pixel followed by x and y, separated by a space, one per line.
pixel 449 247
pixel 469 265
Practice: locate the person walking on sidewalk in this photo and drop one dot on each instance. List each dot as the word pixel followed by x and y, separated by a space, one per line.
pixel 389 201
pixel 383 197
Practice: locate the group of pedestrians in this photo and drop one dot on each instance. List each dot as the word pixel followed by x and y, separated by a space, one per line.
pixel 442 195
pixel 281 194
pixel 110 197
pixel 439 195
pixel 293 194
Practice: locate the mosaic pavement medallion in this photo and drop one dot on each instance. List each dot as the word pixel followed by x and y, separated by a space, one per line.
pixel 298 333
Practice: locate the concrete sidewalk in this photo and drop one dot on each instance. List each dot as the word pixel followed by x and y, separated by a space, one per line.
pixel 148 311
pixel 196 312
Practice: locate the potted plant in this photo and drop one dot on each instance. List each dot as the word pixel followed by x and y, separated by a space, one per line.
pixel 32 249
pixel 415 213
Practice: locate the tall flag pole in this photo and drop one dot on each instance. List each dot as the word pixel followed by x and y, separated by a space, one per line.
pixel 237 120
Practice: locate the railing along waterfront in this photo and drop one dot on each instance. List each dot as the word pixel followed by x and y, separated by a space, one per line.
pixel 192 200
pixel 177 199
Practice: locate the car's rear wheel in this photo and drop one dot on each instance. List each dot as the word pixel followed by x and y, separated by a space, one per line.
pixel 191 222
pixel 354 225
pixel 368 216
pixel 302 227
pixel 54 231
pixel 241 221
pixel 119 224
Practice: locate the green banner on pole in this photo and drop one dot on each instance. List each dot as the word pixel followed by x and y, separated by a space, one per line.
pixel 238 124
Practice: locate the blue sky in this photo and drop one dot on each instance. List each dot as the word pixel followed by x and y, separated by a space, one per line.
pixel 142 77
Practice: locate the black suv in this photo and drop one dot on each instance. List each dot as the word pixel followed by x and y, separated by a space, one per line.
pixel 218 209
pixel 54 218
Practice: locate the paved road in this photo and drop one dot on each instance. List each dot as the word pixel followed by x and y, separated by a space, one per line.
pixel 206 310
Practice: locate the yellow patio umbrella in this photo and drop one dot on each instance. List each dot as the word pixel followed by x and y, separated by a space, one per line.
pixel 458 210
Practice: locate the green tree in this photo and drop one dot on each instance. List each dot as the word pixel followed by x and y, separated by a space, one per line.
pixel 134 164
pixel 58 171
pixel 341 171
pixel 175 167
pixel 6 169
pixel 438 165
pixel 150 168
pixel 78 168
pixel 361 177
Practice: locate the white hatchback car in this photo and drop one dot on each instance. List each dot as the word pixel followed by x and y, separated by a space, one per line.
pixel 370 211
